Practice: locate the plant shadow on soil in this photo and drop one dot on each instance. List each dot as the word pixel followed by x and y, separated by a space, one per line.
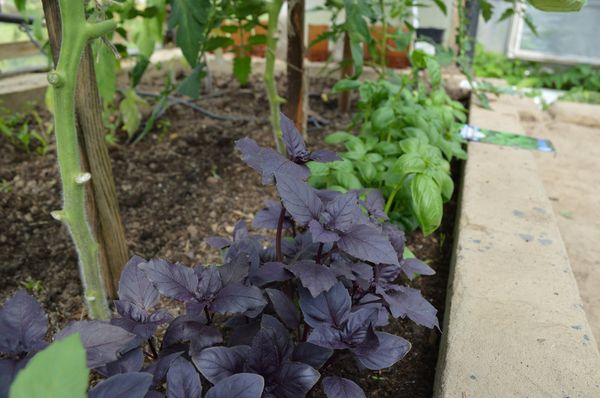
pixel 180 185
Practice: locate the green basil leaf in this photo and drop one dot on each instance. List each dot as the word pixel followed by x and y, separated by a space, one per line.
pixel 426 202
pixel 338 137
pixel 55 372
pixel 348 180
pixel 409 163
pixel 345 85
pixel 382 117
pixel 318 169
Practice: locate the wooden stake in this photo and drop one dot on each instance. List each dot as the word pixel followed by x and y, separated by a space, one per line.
pixel 347 70
pixel 297 104
pixel 101 198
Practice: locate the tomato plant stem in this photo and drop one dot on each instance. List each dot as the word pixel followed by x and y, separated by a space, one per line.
pixel 76 32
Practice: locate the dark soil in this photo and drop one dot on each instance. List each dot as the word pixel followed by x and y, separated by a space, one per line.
pixel 181 184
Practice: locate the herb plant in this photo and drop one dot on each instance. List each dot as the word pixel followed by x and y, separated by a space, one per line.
pixel 26 131
pixel 407 139
pixel 264 322
pixel 532 74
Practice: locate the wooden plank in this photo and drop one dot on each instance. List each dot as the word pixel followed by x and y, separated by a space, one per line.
pixel 17 49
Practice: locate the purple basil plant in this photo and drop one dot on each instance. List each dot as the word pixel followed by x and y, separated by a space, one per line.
pixel 264 322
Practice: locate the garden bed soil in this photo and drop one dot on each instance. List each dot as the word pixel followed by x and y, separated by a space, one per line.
pixel 183 183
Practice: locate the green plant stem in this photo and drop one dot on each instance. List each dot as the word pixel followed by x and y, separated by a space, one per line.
pixel 390 201
pixel 76 32
pixel 384 32
pixel 269 76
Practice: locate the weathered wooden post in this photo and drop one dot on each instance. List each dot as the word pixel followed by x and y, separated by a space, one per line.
pixel 297 95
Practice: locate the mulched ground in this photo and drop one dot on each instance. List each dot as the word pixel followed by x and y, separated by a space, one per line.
pixel 180 185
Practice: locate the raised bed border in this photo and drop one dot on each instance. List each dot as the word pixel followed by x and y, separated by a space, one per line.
pixel 515 324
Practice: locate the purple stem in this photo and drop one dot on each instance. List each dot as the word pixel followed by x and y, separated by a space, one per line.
pixel 319 253
pixel 278 253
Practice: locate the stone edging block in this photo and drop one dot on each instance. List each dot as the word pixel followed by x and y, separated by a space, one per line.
pixel 515 325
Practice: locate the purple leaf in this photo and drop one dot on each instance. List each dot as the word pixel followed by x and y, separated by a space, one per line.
pixel 301 248
pixel 391 349
pixel 23 324
pixel 363 271
pixel 406 301
pixel 358 331
pixel 324 156
pixel 209 280
pixel 343 211
pixel 8 371
pixel 396 237
pixel 295 380
pixel 294 143
pixel 251 153
pixel 412 266
pixel 240 231
pixel 241 385
pixel 299 199
pixel 386 275
pixel 182 380
pixel 160 368
pixel 375 203
pixel 328 337
pixel 127 385
pixel 235 270
pixel 103 342
pixel 132 361
pixel 154 394
pixel 218 363
pixel 268 162
pixel 311 354
pixel 243 334
pixel 339 387
pixel 135 287
pixel 383 315
pixel 328 308
pixel 320 234
pixel 268 216
pixel 317 278
pixel 218 242
pixel 327 195
pixel 269 272
pixel 172 280
pixel 250 248
pixel 138 321
pixel 202 336
pixel 342 267
pixel 192 329
pixel 281 336
pixel 285 308
pixel 237 298
pixel 182 328
pixel 269 350
pixel 367 243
